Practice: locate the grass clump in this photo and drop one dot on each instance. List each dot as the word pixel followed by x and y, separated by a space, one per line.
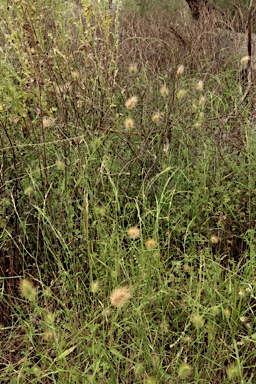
pixel 127 202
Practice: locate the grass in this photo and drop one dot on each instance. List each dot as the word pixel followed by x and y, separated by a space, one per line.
pixel 127 248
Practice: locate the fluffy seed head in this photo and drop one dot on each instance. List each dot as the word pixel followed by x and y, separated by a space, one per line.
pixel 75 75
pixel 227 313
pixel 164 326
pixel 49 335
pixel 242 294
pixel 201 116
pixel 245 60
pixel 120 296
pixel 60 165
pixel 95 286
pixel 197 125
pixel 248 326
pixel 28 190
pixel 200 85
pixel 129 123
pixel 232 371
pixel 215 310
pixel 198 321
pixel 47 122
pixel 133 232
pixel 185 370
pixel 28 290
pixel 166 145
pixel 187 268
pixel 133 69
pixel 180 94
pixel 131 102
pixel 164 91
pixel 201 100
pixel 187 339
pixel 214 239
pixel 156 117
pixel 151 244
pixel 49 318
pixel 180 69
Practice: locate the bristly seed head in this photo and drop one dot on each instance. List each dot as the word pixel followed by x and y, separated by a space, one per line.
pixel 28 290
pixel 133 69
pixel 185 370
pixel 151 244
pixel 95 286
pixel 198 321
pixel 164 91
pixel 156 117
pixel 47 122
pixel 232 371
pixel 75 75
pixel 131 102
pixel 215 311
pixel 200 85
pixel 201 100
pixel 180 94
pixel 60 165
pixel 49 318
pixel 133 232
pixel 28 190
pixel 180 69
pixel 214 239
pixel 49 335
pixel 227 312
pixel 129 123
pixel 120 296
pixel 245 60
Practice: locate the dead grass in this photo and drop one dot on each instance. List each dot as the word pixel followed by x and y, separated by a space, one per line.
pixel 152 41
pixel 161 41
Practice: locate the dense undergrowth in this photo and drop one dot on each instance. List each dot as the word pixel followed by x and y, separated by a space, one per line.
pixel 128 163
